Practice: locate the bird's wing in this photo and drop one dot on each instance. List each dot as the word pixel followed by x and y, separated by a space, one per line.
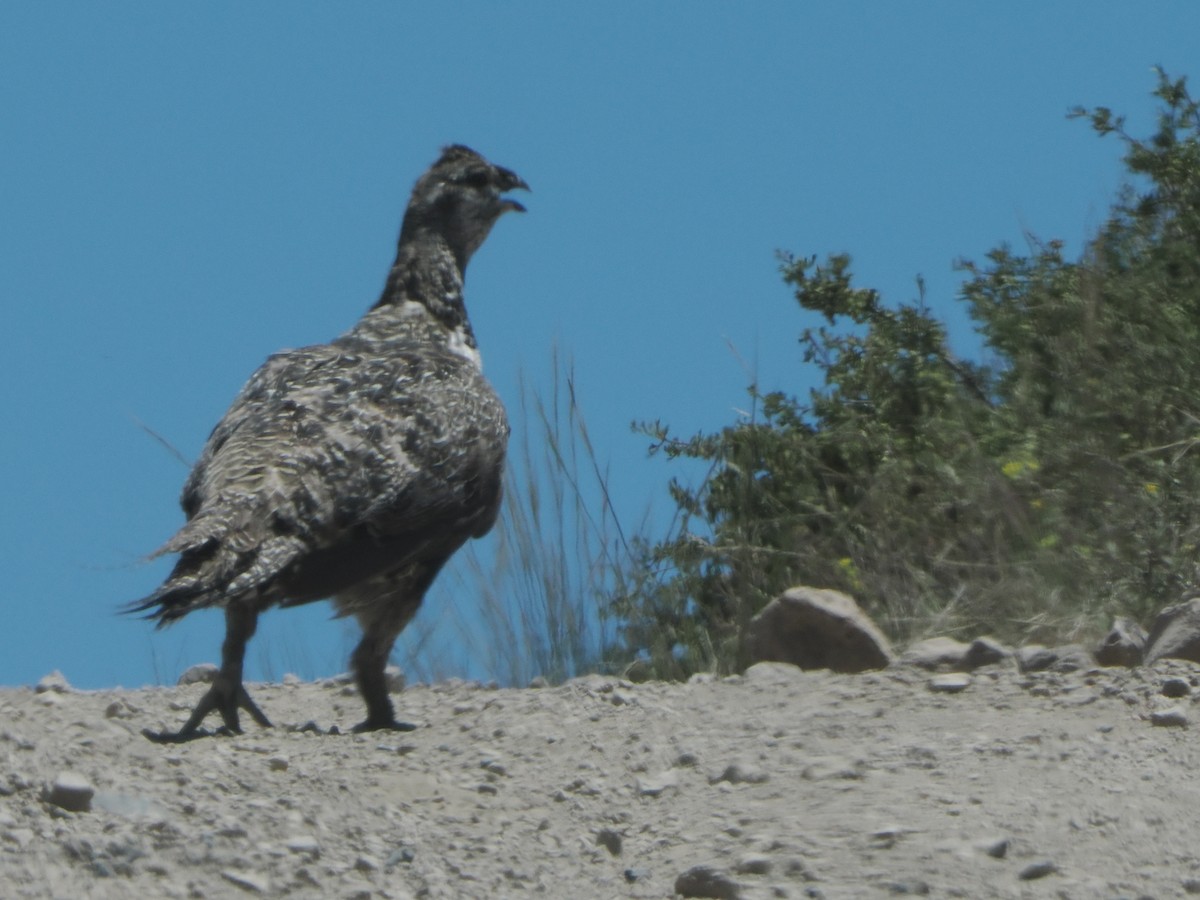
pixel 331 465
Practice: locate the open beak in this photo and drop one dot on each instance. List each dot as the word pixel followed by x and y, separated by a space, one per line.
pixel 512 182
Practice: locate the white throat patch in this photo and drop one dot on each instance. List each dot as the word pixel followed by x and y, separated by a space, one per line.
pixel 458 344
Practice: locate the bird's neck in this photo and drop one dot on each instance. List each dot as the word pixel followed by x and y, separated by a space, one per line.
pixel 427 271
pixel 428 276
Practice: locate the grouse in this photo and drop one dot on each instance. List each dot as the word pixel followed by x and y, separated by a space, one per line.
pixel 352 470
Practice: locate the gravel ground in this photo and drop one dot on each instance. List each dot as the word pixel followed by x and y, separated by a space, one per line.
pixel 778 783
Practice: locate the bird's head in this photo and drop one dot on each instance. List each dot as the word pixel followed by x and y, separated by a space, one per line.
pixel 459 200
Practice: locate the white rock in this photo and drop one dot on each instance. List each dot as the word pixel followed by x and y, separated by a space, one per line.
pixel 304 843
pixel 70 791
pixel 201 673
pixel 950 683
pixel 55 682
pixel 654 785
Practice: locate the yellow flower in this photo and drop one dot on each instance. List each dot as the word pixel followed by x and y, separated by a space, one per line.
pixel 1151 488
pixel 850 571
pixel 1015 468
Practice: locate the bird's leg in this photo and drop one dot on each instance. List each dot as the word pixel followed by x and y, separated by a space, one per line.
pixel 369 661
pixel 382 621
pixel 227 693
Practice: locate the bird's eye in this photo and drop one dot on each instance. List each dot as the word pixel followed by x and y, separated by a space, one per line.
pixel 477 178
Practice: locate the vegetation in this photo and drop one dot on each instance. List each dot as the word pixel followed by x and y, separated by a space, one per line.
pixel 1030 497
pixel 526 602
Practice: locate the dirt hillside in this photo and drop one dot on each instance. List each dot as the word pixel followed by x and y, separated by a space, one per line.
pixel 782 783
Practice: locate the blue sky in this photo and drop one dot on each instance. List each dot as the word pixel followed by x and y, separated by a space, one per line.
pixel 187 188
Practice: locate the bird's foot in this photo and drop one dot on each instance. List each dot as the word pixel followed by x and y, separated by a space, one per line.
pixel 382 724
pixel 224 697
pixel 182 736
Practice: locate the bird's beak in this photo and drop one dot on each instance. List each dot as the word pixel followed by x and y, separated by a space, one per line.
pixel 513 182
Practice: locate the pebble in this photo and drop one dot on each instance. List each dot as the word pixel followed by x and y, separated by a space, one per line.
pixel 707 881
pixel 655 785
pixel 247 881
pixel 996 848
pixel 740 773
pixel 950 683
pixel 201 673
pixel 1037 870
pixel 304 843
pixel 753 864
pixel 610 840
pixel 54 682
pixel 1175 688
pixel 1171 717
pixel 70 791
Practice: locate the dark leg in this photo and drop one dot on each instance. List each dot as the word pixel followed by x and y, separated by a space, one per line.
pixel 227 693
pixel 383 609
pixel 369 661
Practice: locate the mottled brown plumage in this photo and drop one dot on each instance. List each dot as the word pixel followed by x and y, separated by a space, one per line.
pixel 353 469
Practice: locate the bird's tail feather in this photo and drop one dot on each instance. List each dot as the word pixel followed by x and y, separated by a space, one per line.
pixel 216 565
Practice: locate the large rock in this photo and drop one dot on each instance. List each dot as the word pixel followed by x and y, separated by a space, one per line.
pixel 1176 633
pixel 944 654
pixel 1123 645
pixel 817 629
pixel 937 654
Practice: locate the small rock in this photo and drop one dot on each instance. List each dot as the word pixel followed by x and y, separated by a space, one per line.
pixel 55 682
pixel 366 863
pixel 828 768
pixel 118 709
pixel 291 679
pixel 632 875
pixel 950 683
pixel 1037 870
pixel 654 785
pixel 936 653
pixel 1175 688
pixel 539 681
pixel 400 855
pixel 70 791
pixel 1123 645
pixel 753 864
pixel 985 651
pixel 996 848
pixel 1073 658
pixel 765 673
pixel 247 881
pixel 201 673
pixel 1171 717
pixel 610 840
pixel 278 763
pixel 706 881
pixel 1035 658
pixel 304 843
pixel 887 837
pixel 740 773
